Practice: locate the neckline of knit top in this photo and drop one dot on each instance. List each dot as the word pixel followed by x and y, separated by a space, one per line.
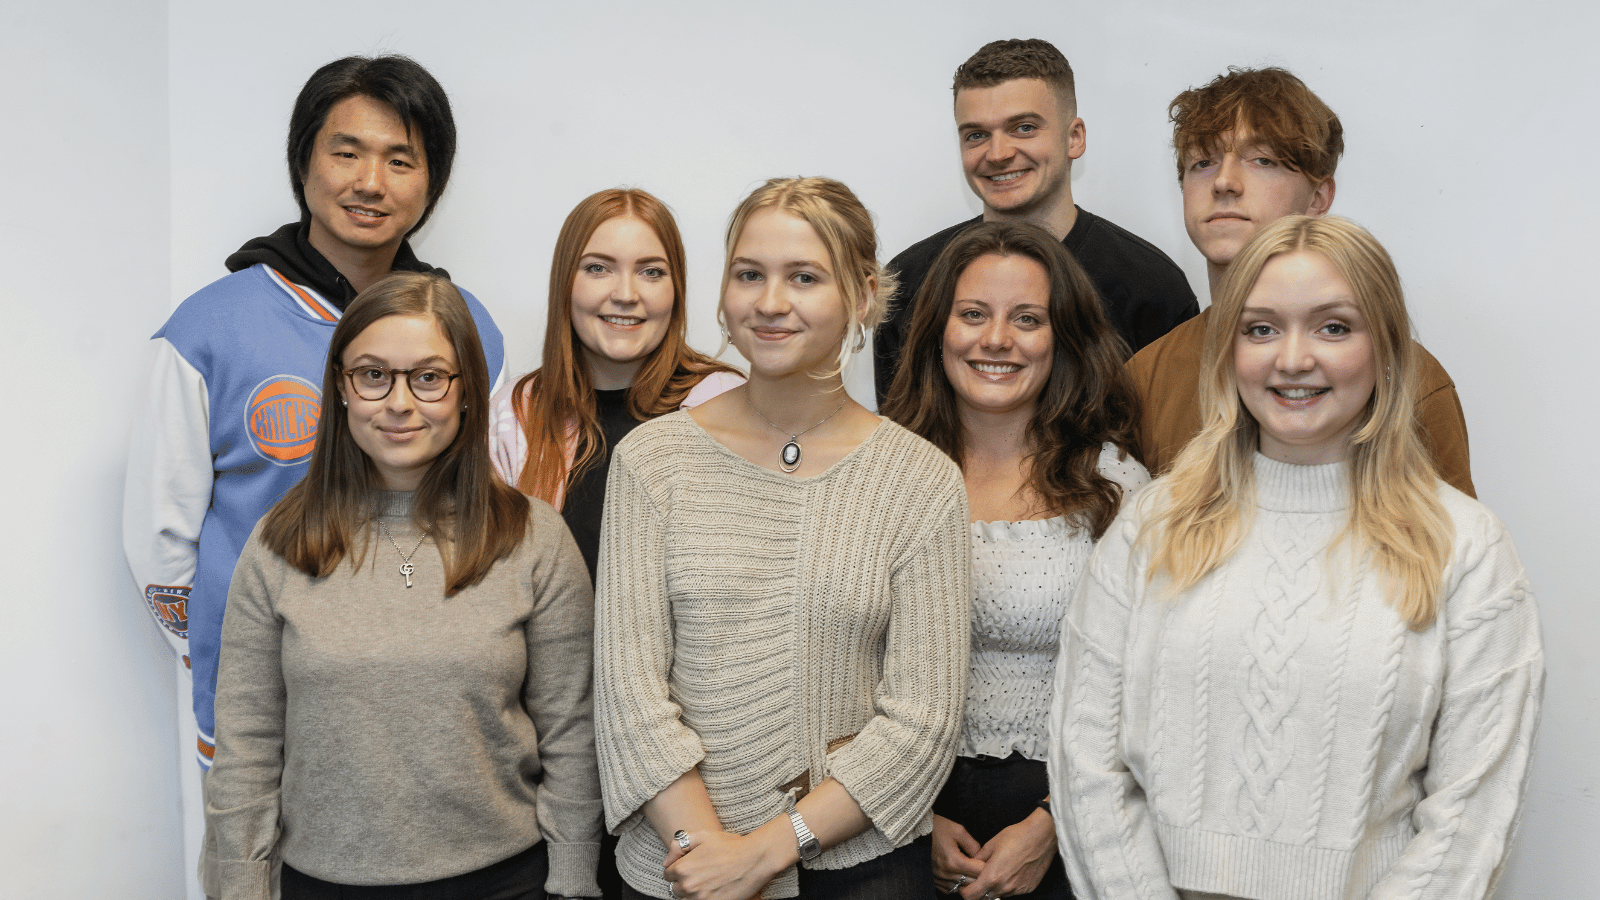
pixel 1023 529
pixel 394 504
pixel 1286 487
pixel 844 461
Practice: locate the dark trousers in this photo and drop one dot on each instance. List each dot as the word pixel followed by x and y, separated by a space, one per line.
pixel 608 876
pixel 985 795
pixel 519 878
pixel 902 874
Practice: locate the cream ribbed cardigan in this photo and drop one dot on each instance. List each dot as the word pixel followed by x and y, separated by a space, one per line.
pixel 746 618
pixel 1278 732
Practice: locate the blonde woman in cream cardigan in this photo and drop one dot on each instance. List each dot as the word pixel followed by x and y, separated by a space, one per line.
pixel 1301 665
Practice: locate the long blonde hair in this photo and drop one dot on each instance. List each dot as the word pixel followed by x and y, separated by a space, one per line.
pixel 1395 511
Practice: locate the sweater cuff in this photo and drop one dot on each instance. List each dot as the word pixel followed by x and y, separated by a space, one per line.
pixel 243 879
pixel 572 869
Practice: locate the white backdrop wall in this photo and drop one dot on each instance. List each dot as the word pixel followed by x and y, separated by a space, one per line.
pixel 145 144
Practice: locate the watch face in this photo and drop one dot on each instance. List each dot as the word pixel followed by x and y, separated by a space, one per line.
pixel 810 849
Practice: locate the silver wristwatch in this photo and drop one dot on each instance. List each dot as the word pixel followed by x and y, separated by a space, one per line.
pixel 809 847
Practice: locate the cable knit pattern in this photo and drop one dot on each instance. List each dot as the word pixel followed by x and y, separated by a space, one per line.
pixel 1270 684
pixel 1202 706
pixel 1022 575
pixel 1309 746
pixel 746 618
pixel 1330 715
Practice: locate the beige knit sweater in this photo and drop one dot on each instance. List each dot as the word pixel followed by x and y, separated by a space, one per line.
pixel 371 733
pixel 746 618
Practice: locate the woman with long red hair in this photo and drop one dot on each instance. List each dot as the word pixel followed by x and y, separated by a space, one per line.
pixel 616 353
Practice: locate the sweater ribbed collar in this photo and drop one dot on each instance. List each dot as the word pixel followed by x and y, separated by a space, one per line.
pixel 395 504
pixel 1285 487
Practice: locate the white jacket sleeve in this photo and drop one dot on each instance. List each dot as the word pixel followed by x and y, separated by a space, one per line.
pixel 167 491
pixel 508 446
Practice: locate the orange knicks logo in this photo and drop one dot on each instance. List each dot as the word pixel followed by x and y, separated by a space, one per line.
pixel 281 418
pixel 171 606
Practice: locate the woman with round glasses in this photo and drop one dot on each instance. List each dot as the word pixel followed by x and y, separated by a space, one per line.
pixel 403 699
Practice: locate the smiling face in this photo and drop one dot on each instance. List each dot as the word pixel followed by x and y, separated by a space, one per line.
pixel 997 342
pixel 1303 358
pixel 366 183
pixel 621 300
pixel 1018 141
pixel 783 302
pixel 1238 187
pixel 400 434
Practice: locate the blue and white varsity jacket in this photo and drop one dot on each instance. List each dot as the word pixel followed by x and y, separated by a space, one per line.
pixel 228 429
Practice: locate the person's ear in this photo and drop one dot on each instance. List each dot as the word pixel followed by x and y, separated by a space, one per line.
pixel 1321 198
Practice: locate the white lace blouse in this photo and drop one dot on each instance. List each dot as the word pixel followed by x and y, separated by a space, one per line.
pixel 1023 573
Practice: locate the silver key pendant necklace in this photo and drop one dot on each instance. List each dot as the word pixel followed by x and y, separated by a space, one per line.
pixel 406 568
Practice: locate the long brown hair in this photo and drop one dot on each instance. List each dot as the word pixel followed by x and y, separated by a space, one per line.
pixel 1395 511
pixel 559 395
pixel 473 517
pixel 1088 400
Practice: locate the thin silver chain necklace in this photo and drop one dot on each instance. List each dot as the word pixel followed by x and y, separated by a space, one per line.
pixel 406 568
pixel 789 456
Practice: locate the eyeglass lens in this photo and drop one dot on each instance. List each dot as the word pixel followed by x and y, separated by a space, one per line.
pixel 375 382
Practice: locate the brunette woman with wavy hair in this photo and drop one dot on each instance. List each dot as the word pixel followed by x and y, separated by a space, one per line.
pixel 422 725
pixel 1013 370
pixel 616 353
pixel 1302 665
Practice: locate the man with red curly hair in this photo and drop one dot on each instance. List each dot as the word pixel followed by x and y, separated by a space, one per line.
pixel 1253 146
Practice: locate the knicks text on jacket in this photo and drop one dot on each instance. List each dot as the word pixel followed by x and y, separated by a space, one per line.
pixel 171 606
pixel 281 418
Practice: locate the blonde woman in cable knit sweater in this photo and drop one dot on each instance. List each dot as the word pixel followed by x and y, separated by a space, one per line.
pixel 1012 368
pixel 1301 666
pixel 404 699
pixel 781 649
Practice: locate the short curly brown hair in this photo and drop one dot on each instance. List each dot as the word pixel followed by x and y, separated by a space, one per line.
pixel 1270 104
pixel 1000 61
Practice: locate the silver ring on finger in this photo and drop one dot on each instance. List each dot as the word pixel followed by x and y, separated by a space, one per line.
pixel 682 837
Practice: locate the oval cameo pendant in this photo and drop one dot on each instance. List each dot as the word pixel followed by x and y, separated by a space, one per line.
pixel 790 456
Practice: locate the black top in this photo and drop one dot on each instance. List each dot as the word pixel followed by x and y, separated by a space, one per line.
pixel 1144 292
pixel 586 497
pixel 289 251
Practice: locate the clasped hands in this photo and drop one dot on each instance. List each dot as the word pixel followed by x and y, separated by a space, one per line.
pixel 1012 862
pixel 720 865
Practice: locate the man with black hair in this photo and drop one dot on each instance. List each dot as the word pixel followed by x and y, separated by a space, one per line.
pixel 1016 111
pixel 235 396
